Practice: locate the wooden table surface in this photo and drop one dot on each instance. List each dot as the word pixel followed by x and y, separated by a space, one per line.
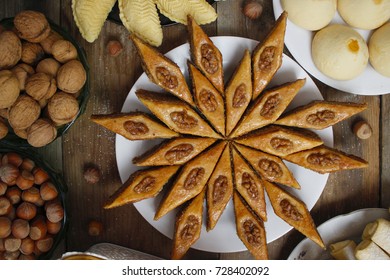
pixel 111 80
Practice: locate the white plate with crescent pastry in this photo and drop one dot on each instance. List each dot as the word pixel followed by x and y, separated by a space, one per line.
pixel 339 228
pixel 298 42
pixel 223 237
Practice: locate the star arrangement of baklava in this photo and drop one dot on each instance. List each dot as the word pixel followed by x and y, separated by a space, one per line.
pixel 225 142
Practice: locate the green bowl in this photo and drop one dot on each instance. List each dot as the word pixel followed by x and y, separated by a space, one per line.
pixel 56 179
pixel 12 138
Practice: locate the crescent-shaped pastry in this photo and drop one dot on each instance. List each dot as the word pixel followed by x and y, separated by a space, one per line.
pixel 176 151
pixel 176 114
pixel 320 114
pixel 267 56
pixel 268 107
pixel 343 250
pixel 188 226
pixel 219 189
pixel 379 232
pixel 249 185
pixel 90 16
pixel 207 98
pixel 141 185
pixel 140 17
pixel 191 180
pixel 368 250
pixel 250 229
pixel 162 71
pixel 134 126
pixel 293 211
pixel 323 159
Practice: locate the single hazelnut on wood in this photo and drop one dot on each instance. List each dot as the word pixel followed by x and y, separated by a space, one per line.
pixel 91 174
pixel 41 133
pixel 20 228
pixel 362 130
pixel 31 53
pixel 26 211
pixel 64 51
pixel 41 86
pixel 95 228
pixel 5 227
pixel 49 66
pixel 114 48
pixel 252 9
pixel 3 128
pixel 22 71
pixel 49 41
pixel 25 180
pixel 10 49
pixel 9 89
pixel 5 206
pixel 71 76
pixel 9 173
pixel 32 26
pixel 62 108
pixel 24 112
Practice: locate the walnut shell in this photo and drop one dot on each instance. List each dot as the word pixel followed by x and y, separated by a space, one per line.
pixel 9 89
pixel 4 113
pixel 3 128
pixel 32 26
pixel 71 76
pixel 62 108
pixel 49 66
pixel 31 53
pixel 22 71
pixel 49 41
pixel 24 112
pixel 10 49
pixel 21 133
pixel 41 86
pixel 64 51
pixel 41 133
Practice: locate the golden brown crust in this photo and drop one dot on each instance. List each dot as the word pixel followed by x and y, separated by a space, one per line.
pixel 293 211
pixel 324 159
pixel 250 229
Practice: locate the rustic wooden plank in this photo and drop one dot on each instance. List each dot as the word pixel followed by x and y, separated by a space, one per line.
pixel 385 151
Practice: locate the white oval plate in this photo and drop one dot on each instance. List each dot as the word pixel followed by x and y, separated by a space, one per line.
pixel 298 42
pixel 339 228
pixel 223 238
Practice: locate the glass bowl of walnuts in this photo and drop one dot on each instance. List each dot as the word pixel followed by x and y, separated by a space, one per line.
pixel 44 80
pixel 32 206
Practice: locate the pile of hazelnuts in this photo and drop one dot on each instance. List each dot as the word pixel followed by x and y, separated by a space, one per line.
pixel 31 211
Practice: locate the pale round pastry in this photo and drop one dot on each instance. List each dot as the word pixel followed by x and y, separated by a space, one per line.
pixel 339 52
pixel 379 49
pixel 364 14
pixel 310 14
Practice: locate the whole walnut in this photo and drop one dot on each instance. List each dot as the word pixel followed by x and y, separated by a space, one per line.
pixel 4 113
pixel 24 112
pixel 21 133
pixel 49 66
pixel 32 26
pixel 71 76
pixel 62 108
pixel 31 53
pixel 64 51
pixel 3 128
pixel 49 41
pixel 41 86
pixel 9 89
pixel 41 133
pixel 22 71
pixel 10 49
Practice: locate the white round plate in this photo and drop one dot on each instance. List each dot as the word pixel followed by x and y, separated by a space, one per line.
pixel 339 228
pixel 223 237
pixel 298 42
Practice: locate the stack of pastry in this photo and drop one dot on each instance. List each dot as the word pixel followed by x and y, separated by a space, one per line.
pixel 226 141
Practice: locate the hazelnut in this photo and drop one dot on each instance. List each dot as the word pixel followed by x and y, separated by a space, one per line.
pixel 12 244
pixel 9 89
pixel 64 51
pixel 8 174
pixel 26 211
pixel 27 164
pixel 31 53
pixel 71 76
pixel 41 86
pixel 53 228
pixel 27 246
pixel 14 195
pixel 49 66
pixel 12 158
pixel 11 255
pixel 24 257
pixel 54 211
pixel 45 244
pixel 25 180
pixel 22 71
pixel 252 9
pixel 3 128
pixel 362 130
pixel 48 191
pixel 38 228
pixel 95 228
pixel 5 227
pixel 10 49
pixel 3 187
pixel 49 41
pixel 5 206
pixel 31 195
pixel 40 175
pixel 20 228
pixel 114 48
pixel 62 108
pixel 24 112
pixel 91 174
pixel 32 26
pixel 2 248
pixel 41 133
